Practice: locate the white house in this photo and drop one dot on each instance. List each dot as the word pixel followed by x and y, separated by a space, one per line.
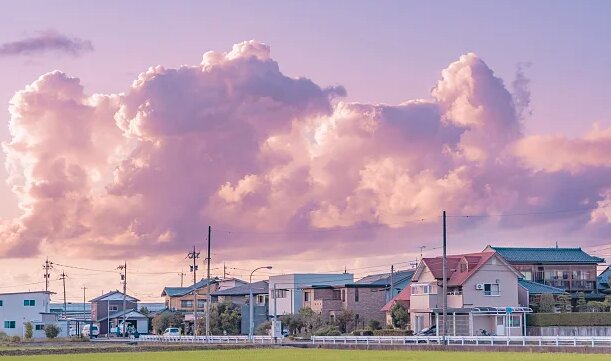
pixel 20 307
pixel 285 291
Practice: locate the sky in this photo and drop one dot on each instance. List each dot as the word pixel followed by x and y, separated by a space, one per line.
pixel 311 136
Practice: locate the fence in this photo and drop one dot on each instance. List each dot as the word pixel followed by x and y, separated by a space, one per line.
pixel 204 339
pixel 467 340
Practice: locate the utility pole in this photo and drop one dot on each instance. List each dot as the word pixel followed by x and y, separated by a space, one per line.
pixel 123 269
pixel 182 275
pixel 47 267
pixel 84 311
pixel 208 288
pixel 194 256
pixel 63 278
pixel 392 282
pixel 421 249
pixel 224 271
pixel 445 282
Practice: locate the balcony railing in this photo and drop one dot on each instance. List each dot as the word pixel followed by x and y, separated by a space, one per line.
pixel 567 284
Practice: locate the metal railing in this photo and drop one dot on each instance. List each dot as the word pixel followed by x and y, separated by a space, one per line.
pixel 204 339
pixel 467 340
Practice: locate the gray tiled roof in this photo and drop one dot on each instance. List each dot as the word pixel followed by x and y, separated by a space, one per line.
pixel 181 291
pixel 383 279
pixel 261 287
pixel 550 255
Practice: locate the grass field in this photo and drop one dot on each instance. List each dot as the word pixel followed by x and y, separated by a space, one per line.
pixel 313 355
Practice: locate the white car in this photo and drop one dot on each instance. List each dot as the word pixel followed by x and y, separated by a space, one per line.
pixel 172 331
pixel 92 330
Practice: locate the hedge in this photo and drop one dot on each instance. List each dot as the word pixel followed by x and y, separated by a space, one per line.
pixel 389 332
pixel 569 319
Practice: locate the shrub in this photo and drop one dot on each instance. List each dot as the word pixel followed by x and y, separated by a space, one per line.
pixel 374 325
pixel 29 330
pixel 167 319
pixel 388 332
pixel 547 304
pixel 15 339
pixel 569 319
pixel 327 331
pixel 264 329
pixel 51 331
pixel 362 333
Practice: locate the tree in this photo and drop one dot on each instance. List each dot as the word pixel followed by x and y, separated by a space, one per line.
pixel 343 319
pixel 399 316
pixel 29 330
pixel 581 302
pixel 547 304
pixel 596 306
pixel 144 310
pixel 374 325
pixel 167 319
pixel 225 319
pixel 310 319
pixel 264 329
pixel 51 331
pixel 294 323
pixel 564 302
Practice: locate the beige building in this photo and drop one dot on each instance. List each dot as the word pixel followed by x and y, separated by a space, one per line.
pixel 482 296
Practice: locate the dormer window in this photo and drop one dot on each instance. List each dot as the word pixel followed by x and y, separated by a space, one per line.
pixel 464 267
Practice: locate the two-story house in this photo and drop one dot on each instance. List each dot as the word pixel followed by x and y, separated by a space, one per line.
pixel 570 269
pixel 240 295
pixel 286 291
pixel 107 311
pixel 364 298
pixel 17 308
pixel 482 295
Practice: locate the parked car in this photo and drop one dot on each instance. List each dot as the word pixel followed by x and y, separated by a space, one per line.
pixel 90 331
pixel 171 331
pixel 429 331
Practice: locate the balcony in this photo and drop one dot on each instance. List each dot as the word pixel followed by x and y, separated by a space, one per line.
pixel 566 284
pixel 455 301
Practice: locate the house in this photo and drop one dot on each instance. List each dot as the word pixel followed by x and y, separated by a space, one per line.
pixel 482 295
pixel 530 292
pixel 364 298
pixel 285 291
pixel 18 308
pixel 240 295
pixel 604 281
pixel 105 310
pixel 570 269
pixel 181 298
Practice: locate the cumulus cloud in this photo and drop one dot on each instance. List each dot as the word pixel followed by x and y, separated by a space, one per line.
pixel 235 143
pixel 47 41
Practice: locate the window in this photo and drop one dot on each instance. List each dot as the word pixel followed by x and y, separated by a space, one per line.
pixel 424 289
pixel 1 303
pixel 113 308
pixel 343 295
pixel 260 299
pixel 356 295
pixel 492 289
pixel 306 296
pixel 186 303
pixel 29 303
pixel 280 294
pixel 463 267
pixel 39 327
pixel 200 303
pixel 337 294
pixel 515 321
pixel 9 324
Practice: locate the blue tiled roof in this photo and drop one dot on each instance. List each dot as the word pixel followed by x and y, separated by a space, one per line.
pixel 604 280
pixel 551 255
pixel 384 278
pixel 181 291
pixel 535 288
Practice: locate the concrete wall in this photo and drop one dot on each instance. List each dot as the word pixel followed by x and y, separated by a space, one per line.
pixel 13 309
pixel 569 331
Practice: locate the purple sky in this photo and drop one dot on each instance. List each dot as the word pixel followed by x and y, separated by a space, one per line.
pixel 548 159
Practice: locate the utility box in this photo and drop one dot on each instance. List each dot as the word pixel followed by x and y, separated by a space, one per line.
pixel 276 330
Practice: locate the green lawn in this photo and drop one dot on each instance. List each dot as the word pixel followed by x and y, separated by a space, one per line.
pixel 313 355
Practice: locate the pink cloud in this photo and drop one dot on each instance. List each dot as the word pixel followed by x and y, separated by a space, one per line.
pixel 235 143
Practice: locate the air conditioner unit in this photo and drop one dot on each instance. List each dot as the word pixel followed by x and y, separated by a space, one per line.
pixel 479 286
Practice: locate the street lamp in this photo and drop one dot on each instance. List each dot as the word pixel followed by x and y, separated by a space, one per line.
pixel 251 323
